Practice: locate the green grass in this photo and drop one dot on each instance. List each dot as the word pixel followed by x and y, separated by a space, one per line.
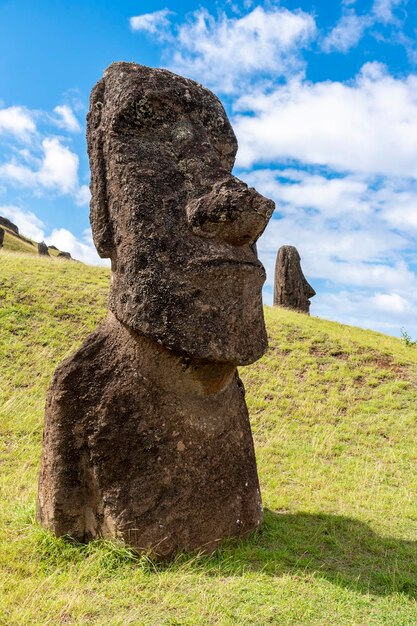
pixel 333 410
pixel 21 244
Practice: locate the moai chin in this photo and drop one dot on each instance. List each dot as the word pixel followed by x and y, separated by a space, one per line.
pixel 147 436
pixel 291 289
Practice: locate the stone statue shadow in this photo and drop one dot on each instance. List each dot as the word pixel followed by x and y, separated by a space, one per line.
pixel 340 549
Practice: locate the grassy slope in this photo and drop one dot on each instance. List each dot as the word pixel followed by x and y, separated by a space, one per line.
pixel 333 410
pixel 22 244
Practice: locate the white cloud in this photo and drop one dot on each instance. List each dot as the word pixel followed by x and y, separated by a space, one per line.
pixel 83 195
pixel 386 312
pixel 363 257
pixel 57 171
pixel 28 224
pixel 342 226
pixel 59 168
pixel 83 250
pixel 222 51
pixel 18 173
pixel 383 10
pixel 351 27
pixel 31 226
pixel 66 118
pixel 335 197
pixel 153 23
pixel 346 190
pixel 17 121
pixel 347 32
pixel 391 302
pixel 368 125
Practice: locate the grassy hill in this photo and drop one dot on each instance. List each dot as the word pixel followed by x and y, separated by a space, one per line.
pixel 21 244
pixel 333 411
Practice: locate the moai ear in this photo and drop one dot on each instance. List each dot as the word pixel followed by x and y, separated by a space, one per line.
pixel 100 220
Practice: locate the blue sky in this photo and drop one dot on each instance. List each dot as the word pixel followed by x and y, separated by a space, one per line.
pixel 323 99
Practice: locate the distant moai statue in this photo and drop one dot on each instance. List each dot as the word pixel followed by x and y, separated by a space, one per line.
pixel 147 435
pixel 43 249
pixel 291 289
pixel 1 237
pixel 8 224
pixel 64 255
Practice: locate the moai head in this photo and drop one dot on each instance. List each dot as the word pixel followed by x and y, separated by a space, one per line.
pixel 291 288
pixel 43 249
pixel 179 229
pixel 1 237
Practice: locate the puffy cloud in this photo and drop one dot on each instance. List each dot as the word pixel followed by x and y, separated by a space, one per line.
pixel 344 177
pixel 361 267
pixel 386 312
pixel 390 302
pixel 347 32
pixel 154 23
pixel 368 125
pixel 264 41
pixel 66 118
pixel 17 173
pixel 83 250
pixel 354 257
pixel 31 226
pixel 17 121
pixel 383 10
pixel 27 222
pixel 83 195
pixel 57 170
pixel 351 27
pixel 336 197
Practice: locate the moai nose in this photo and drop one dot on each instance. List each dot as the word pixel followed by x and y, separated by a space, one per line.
pixel 231 212
pixel 308 290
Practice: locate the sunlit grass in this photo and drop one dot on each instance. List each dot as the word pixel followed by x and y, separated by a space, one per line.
pixel 333 411
pixel 22 245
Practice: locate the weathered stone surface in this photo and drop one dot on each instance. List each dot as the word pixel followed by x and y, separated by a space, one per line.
pixel 43 249
pixel 291 289
pixel 147 436
pixel 147 447
pixel 1 237
pixel 64 255
pixel 8 224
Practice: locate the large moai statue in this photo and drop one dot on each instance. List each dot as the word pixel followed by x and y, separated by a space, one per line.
pixel 147 435
pixel 291 289
pixel 1 237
